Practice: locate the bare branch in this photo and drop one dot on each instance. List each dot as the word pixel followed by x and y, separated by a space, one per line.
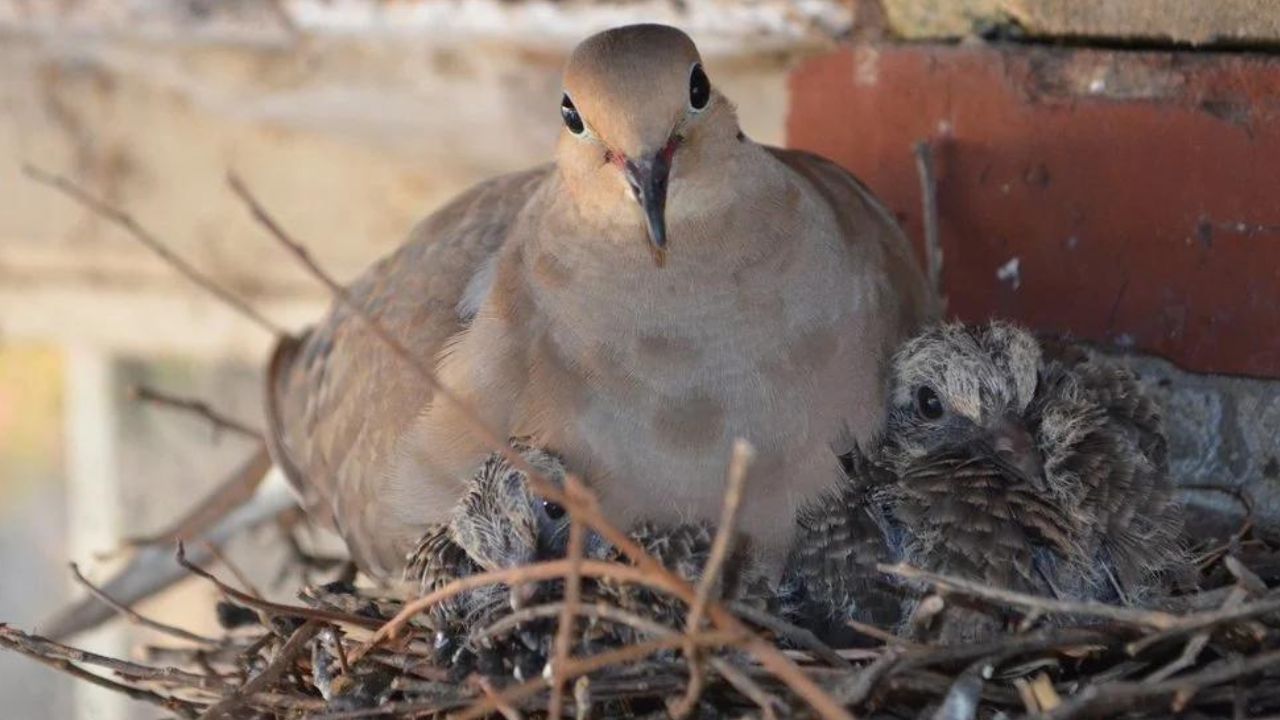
pixel 125 221
pixel 133 616
pixel 1129 616
pixel 572 600
pixel 739 462
pixel 279 665
pixel 272 607
pixel 219 421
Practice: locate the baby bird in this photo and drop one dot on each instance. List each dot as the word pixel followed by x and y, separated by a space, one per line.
pixel 1036 468
pixel 499 523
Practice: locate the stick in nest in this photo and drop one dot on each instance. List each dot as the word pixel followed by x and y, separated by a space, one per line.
pixel 279 665
pixel 739 462
pixel 572 599
pixel 272 607
pixel 577 667
pixel 135 617
pixel 1128 616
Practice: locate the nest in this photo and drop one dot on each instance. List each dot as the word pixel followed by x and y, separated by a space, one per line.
pixel 344 652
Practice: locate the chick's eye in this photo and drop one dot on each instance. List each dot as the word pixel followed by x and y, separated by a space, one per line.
pixel 699 88
pixel 572 119
pixel 553 510
pixel 928 403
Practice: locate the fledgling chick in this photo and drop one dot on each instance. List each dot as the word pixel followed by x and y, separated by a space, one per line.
pixel 840 537
pixel 499 523
pixel 1036 468
pixel 502 523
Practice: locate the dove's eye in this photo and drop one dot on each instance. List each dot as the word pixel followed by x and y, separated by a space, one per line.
pixel 555 511
pixel 928 404
pixel 572 119
pixel 699 88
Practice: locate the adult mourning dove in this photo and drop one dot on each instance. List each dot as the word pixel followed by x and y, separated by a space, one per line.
pixel 1039 468
pixel 665 286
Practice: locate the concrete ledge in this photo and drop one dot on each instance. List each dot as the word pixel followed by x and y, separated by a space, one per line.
pixel 348 139
pixel 1195 22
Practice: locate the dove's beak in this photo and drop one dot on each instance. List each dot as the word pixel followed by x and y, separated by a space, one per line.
pixel 1014 449
pixel 648 180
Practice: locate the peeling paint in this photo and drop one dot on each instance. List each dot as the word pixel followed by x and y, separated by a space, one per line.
pixel 1011 273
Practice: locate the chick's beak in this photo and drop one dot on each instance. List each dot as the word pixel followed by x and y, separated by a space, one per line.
pixel 1014 449
pixel 648 180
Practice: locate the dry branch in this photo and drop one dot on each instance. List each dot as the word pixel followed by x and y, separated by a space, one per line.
pixel 133 616
pixel 131 226
pixel 1129 616
pixel 199 408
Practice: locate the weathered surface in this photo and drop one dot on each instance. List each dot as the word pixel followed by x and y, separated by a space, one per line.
pixel 348 139
pixel 1196 22
pixel 1128 198
pixel 1223 431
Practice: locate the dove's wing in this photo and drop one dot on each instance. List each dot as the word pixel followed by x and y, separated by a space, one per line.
pixel 339 399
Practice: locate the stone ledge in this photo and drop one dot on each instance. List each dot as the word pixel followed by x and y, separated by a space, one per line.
pixel 1193 22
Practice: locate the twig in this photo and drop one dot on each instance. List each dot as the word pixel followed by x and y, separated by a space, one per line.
pixel 585 509
pixel 404 708
pixel 282 662
pixel 739 462
pixel 219 421
pixel 1191 652
pixel 577 667
pixel 129 670
pixel 64 658
pixel 1006 647
pixel 1118 696
pixel 133 616
pixel 1205 620
pixel 1129 616
pixel 507 710
pixel 742 682
pixel 798 635
pixel 572 599
pixel 929 217
pixel 1241 496
pixel 277 608
pixel 232 492
pixel 125 221
pixel 510 576
pixel 877 633
pixel 231 567
pixel 595 611
pixel 855 689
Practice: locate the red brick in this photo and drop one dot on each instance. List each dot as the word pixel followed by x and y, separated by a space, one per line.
pixel 1139 191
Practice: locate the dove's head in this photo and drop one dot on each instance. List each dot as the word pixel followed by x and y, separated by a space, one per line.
pixel 641 115
pixel 961 400
pixel 502 523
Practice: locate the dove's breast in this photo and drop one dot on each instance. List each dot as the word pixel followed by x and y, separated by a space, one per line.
pixel 784 349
